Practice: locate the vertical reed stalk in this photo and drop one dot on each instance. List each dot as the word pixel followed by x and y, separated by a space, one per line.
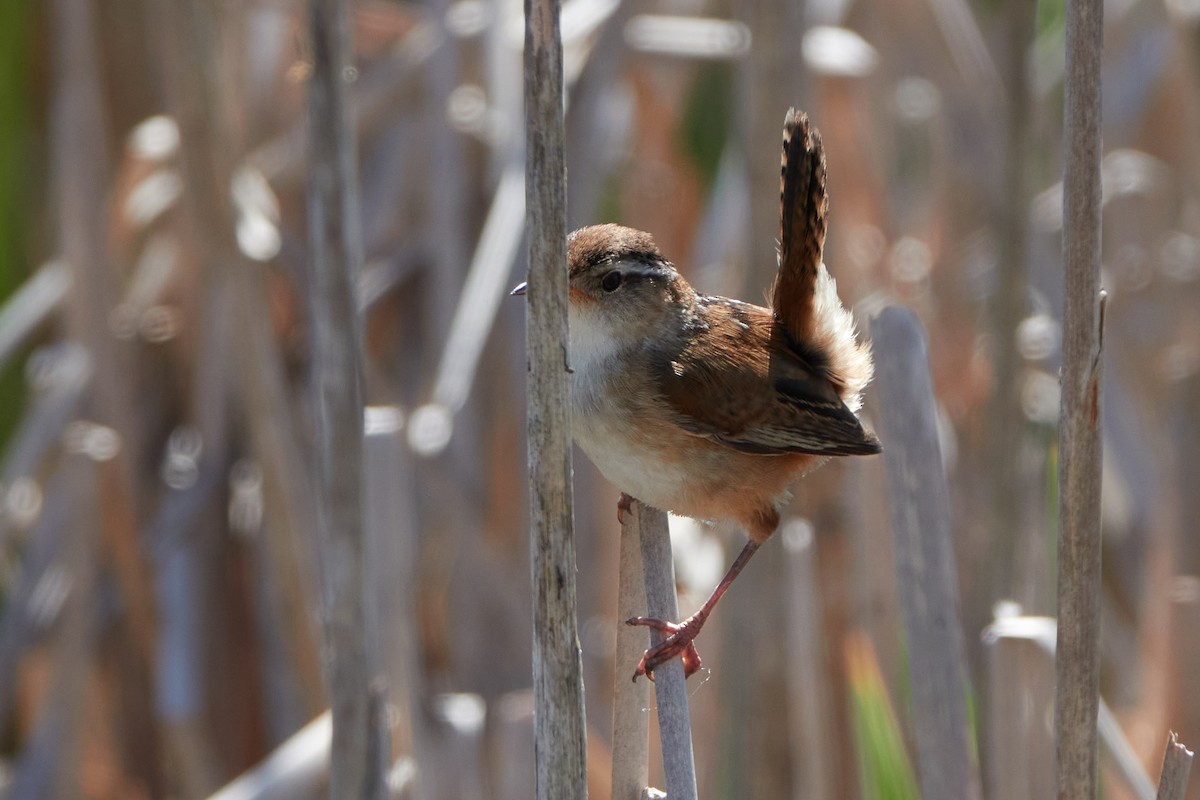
pixel 335 261
pixel 559 724
pixel 1078 666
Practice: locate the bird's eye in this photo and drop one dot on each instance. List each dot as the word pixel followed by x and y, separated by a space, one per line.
pixel 611 282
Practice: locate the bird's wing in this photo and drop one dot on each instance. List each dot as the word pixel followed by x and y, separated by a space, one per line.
pixel 738 388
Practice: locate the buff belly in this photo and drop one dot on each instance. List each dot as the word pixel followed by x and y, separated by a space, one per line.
pixel 671 469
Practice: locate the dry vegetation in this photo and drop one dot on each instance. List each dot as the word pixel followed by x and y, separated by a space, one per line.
pixel 160 630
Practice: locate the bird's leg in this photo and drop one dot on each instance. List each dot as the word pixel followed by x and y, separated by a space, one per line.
pixel 679 635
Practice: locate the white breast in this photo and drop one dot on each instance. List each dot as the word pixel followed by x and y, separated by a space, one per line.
pixel 594 355
pixel 602 423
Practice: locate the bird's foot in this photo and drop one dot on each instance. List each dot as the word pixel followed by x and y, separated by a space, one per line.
pixel 624 508
pixel 677 644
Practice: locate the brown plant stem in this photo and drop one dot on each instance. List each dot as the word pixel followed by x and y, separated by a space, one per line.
pixel 1078 664
pixel 559 723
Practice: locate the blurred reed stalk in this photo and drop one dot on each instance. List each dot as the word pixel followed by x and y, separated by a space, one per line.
pixel 235 327
pixel 296 768
pixel 808 703
pixel 925 568
pixel 1007 424
pixel 1177 765
pixel 50 763
pixel 1078 650
pixel 335 261
pixel 81 174
pixel 559 721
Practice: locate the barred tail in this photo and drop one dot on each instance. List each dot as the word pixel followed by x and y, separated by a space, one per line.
pixel 802 224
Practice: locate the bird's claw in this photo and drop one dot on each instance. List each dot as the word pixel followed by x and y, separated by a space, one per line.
pixel 624 508
pixel 678 643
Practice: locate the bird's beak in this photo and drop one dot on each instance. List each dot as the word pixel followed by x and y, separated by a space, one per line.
pixel 518 290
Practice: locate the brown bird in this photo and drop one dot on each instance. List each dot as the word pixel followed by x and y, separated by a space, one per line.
pixel 710 407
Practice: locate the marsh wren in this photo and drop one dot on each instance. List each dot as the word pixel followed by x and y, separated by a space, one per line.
pixel 710 407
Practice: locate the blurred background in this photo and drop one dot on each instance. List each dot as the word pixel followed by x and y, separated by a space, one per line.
pixel 159 632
